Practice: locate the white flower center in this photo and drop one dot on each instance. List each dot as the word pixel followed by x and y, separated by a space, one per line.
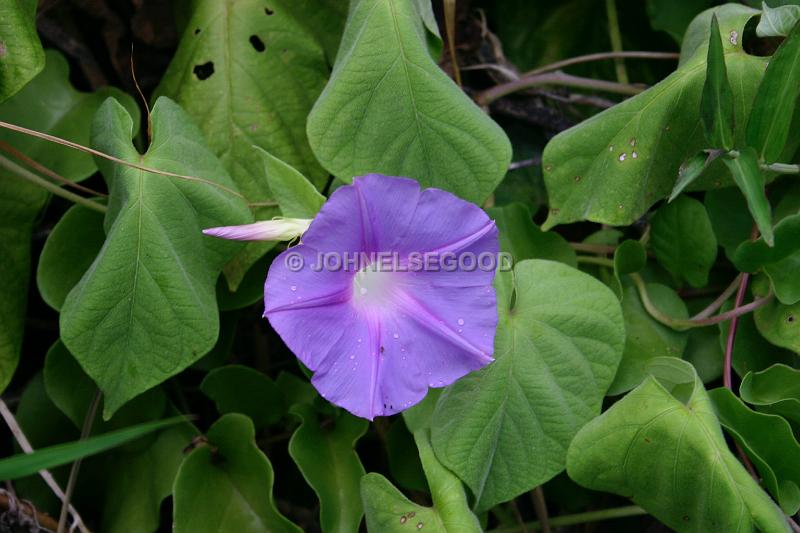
pixel 372 286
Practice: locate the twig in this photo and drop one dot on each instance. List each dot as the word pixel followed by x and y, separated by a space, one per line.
pixel 515 509
pixel 10 503
pixel 88 421
pixel 533 161
pixel 616 40
pixel 581 518
pixel 540 506
pixel 450 28
pixel 601 56
pixel 593 248
pixel 20 437
pixel 76 146
pixel 554 78
pixel 24 173
pixel 41 169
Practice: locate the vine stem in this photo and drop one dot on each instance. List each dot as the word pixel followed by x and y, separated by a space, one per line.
pixel 24 173
pixel 540 506
pixel 600 56
pixel 554 78
pixel 727 380
pixel 41 169
pixel 721 299
pixel 678 324
pixel 88 421
pixel 580 518
pixel 616 40
pixel 25 444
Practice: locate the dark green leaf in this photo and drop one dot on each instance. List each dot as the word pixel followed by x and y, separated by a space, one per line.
pixel 683 241
pixel 404 466
pixel 771 117
pixel 775 390
pixel 240 389
pixel 770 444
pixel 325 455
pixel 146 308
pixel 662 446
pixel 68 253
pixel 780 262
pixel 504 429
pixel 296 196
pixel 727 210
pixel 716 103
pixel 645 337
pixel 436 134
pixel 225 486
pixel 750 179
pixel 21 53
pixel 614 166
pixel 751 351
pixel 673 17
pixel 139 480
pixel 21 465
pixel 778 323
pixel 630 256
pixel 689 171
pixel 523 239
pixel 388 510
pixel 248 75
pixel 50 104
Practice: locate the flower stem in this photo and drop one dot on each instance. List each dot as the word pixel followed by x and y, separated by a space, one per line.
pixel 580 518
pixel 24 173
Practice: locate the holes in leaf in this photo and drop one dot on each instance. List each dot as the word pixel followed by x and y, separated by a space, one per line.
pixel 755 45
pixel 196 31
pixel 257 43
pixel 791 319
pixel 268 11
pixel 204 71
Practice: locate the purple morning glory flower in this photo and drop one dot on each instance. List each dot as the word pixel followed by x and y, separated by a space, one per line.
pixel 375 337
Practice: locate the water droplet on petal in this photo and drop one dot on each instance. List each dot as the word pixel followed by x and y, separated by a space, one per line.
pixel 293 287
pixel 460 330
pixel 460 321
pixel 359 341
pixel 396 335
pixel 363 291
pixel 352 357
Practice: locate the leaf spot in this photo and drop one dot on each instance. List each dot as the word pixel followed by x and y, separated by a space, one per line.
pixel 268 11
pixel 622 156
pixel 204 71
pixel 419 525
pixel 634 155
pixel 577 178
pixel 196 31
pixel 791 319
pixel 257 43
pixel 734 37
